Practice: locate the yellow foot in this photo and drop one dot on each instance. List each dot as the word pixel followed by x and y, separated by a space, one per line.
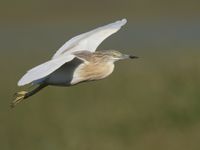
pixel 19 96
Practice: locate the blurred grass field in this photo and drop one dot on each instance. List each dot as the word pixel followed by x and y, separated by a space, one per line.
pixel 151 103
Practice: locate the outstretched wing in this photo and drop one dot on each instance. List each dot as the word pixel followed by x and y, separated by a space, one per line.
pixel 87 41
pixel 90 40
pixel 44 69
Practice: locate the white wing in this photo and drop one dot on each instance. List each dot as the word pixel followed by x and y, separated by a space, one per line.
pixel 90 40
pixel 86 41
pixel 44 69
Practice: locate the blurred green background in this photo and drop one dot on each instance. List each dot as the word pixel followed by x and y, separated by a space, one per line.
pixel 151 103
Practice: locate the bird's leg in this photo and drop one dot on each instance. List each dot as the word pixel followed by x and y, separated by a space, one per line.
pixel 20 96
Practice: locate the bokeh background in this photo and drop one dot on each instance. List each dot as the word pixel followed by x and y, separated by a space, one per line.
pixel 151 103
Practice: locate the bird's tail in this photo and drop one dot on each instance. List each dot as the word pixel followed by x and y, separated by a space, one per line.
pixel 20 96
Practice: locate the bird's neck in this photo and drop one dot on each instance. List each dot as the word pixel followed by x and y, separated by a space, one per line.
pixel 109 67
pixel 102 70
pixel 97 71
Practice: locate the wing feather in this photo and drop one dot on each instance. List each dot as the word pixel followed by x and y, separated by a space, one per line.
pixel 44 69
pixel 90 40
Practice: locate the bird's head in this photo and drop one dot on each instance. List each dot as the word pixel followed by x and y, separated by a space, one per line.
pixel 114 55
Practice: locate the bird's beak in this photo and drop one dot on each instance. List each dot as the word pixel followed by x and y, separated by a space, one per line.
pixel 133 57
pixel 125 56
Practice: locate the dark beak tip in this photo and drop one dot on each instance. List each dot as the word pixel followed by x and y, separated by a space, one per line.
pixel 133 57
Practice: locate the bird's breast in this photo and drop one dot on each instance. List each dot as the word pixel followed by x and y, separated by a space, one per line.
pixel 90 71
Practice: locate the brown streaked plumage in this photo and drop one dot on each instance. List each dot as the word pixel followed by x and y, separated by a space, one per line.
pixel 94 68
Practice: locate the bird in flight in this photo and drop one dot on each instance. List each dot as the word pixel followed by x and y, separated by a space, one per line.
pixel 75 62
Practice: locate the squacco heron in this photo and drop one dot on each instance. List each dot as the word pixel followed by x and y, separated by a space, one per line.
pixel 75 62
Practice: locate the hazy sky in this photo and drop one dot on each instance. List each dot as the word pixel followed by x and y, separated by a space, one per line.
pixel 47 24
pixel 90 10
